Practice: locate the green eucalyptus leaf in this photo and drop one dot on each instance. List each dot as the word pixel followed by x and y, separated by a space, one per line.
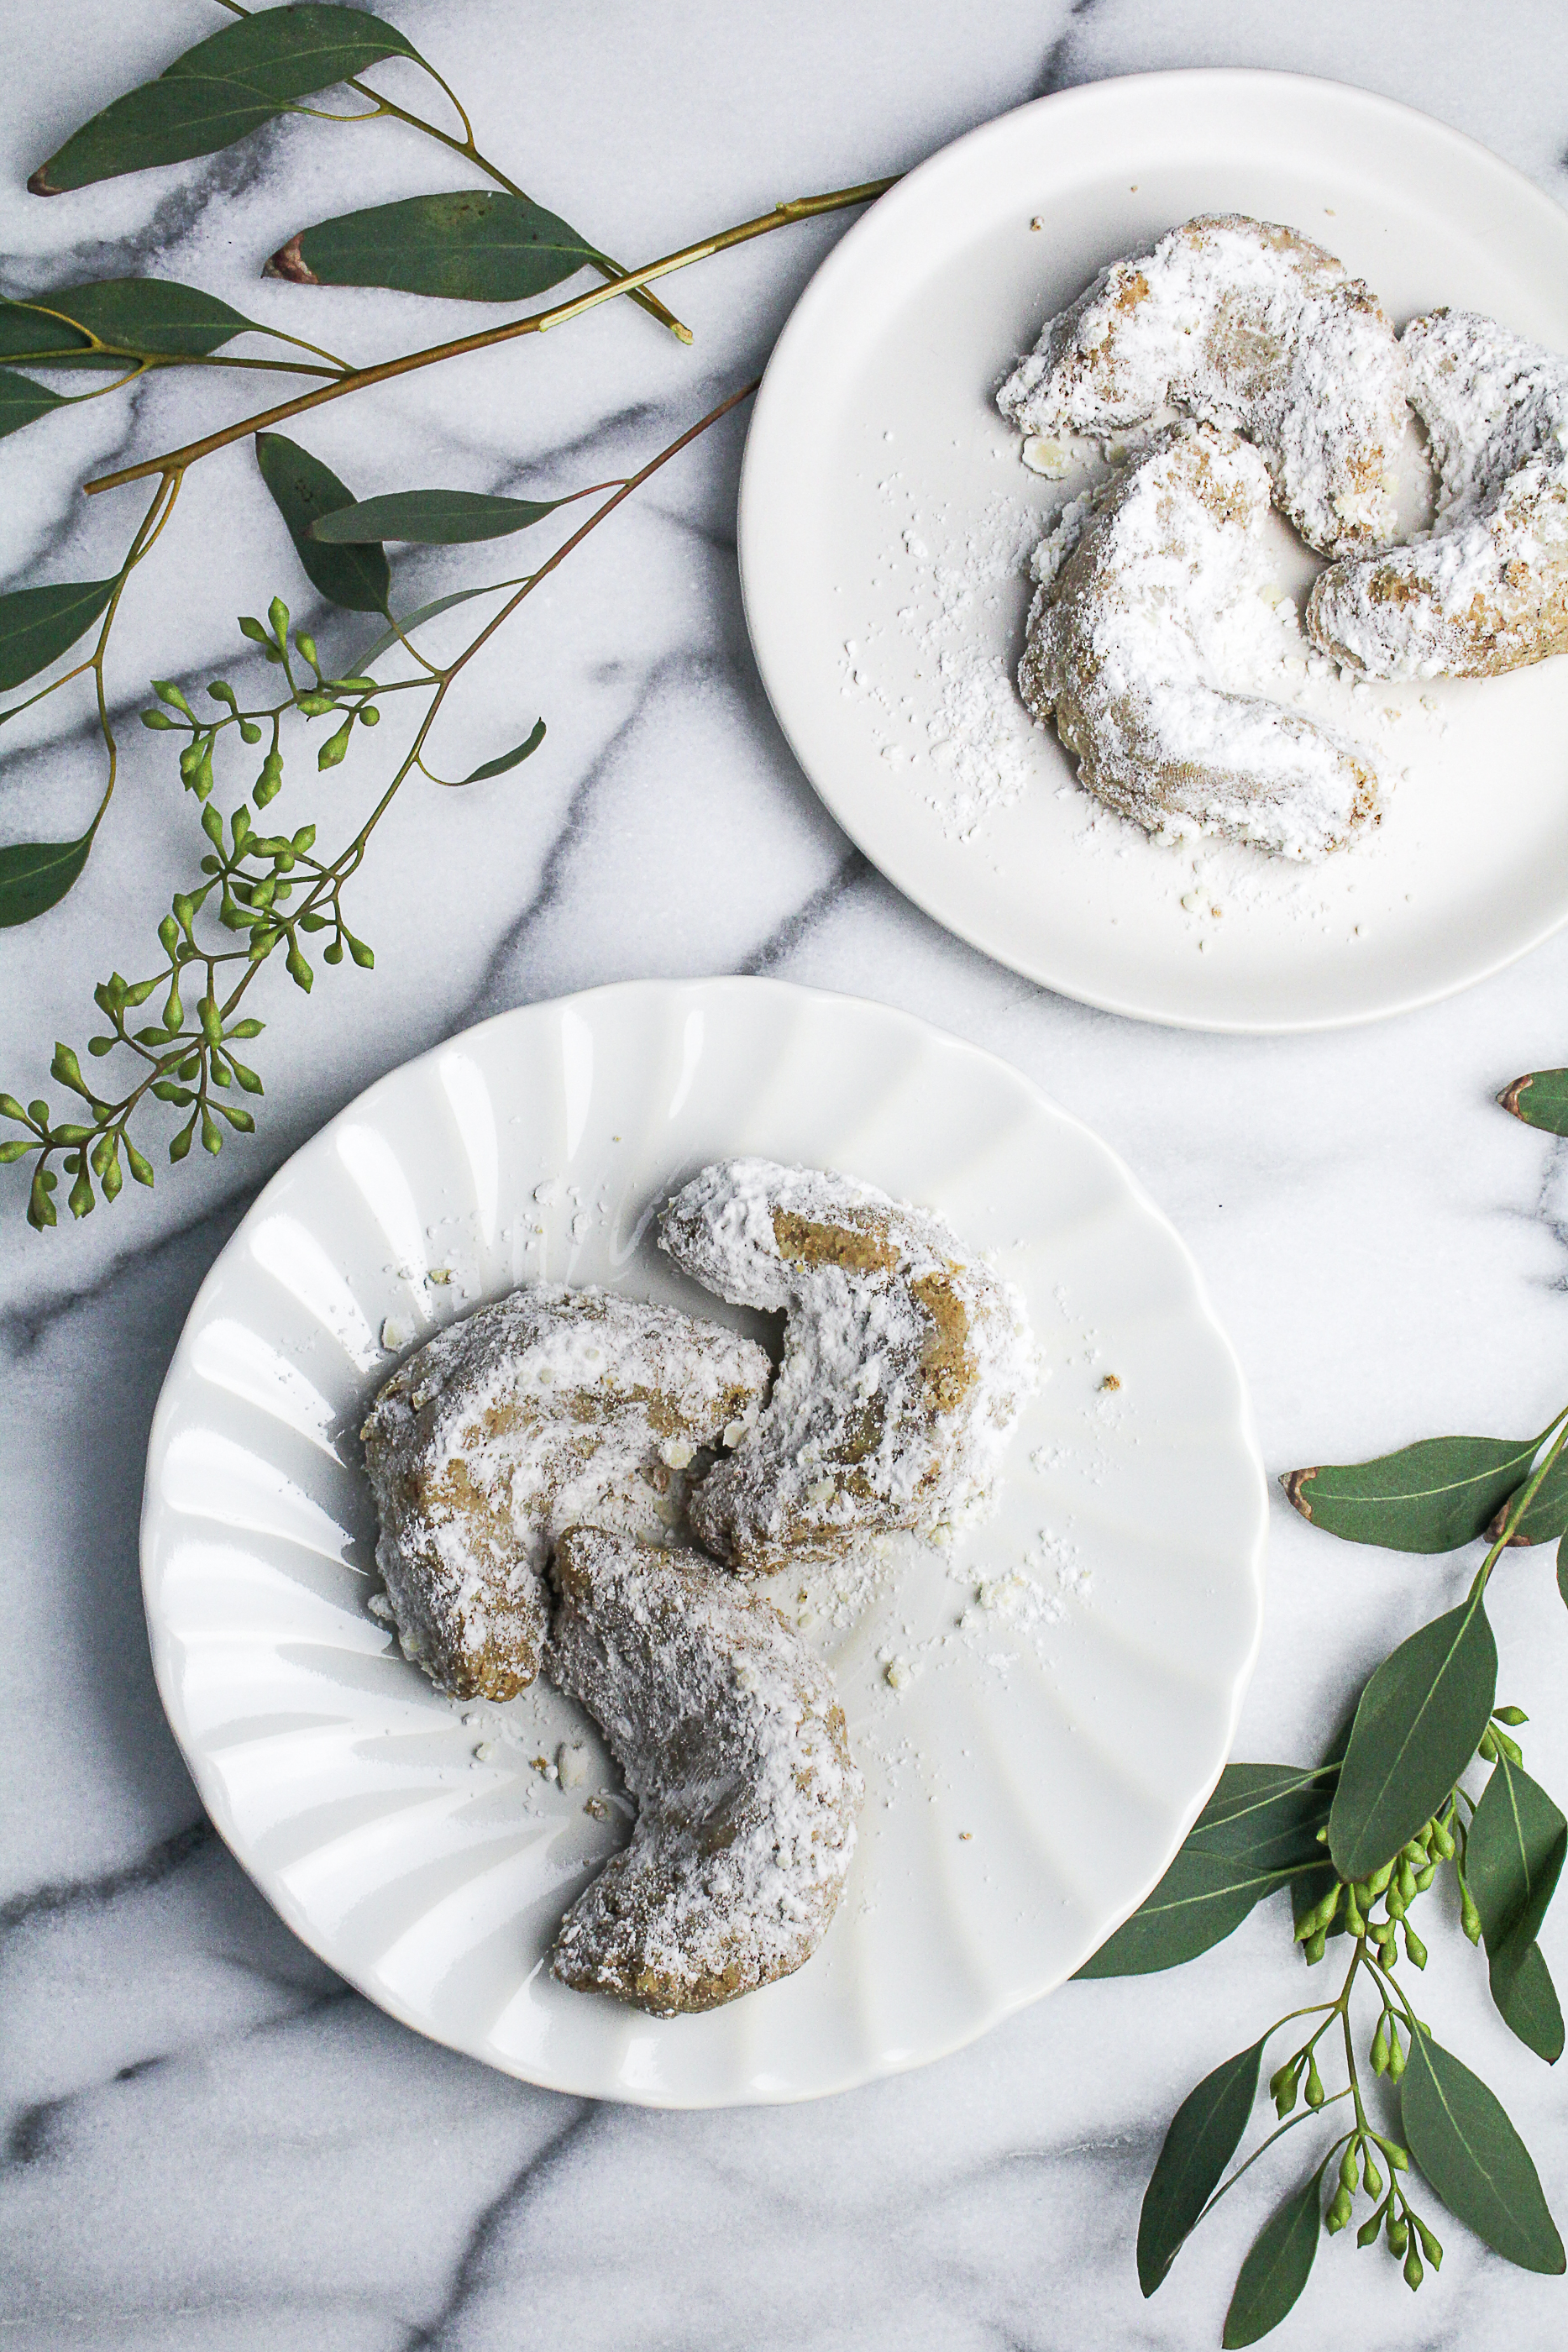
pixel 1204 2134
pixel 1432 1497
pixel 1546 1515
pixel 1513 1859
pixel 1256 1834
pixel 468 246
pixel 35 875
pixel 1540 1100
pixel 431 518
pixel 227 86
pixel 303 490
pixel 390 637
pixel 38 624
pixel 1562 1571
pixel 22 402
pixel 509 758
pixel 1278 2267
pixel 1417 1728
pixel 151 314
pixel 1464 2142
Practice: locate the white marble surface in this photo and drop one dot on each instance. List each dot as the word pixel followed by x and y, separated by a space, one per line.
pixel 209 2141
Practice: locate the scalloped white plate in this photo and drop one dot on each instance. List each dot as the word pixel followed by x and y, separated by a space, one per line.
pixel 1066 1678
pixel 884 520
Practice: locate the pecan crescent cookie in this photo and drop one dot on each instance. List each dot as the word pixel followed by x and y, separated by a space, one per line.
pixel 1146 593
pixel 905 1361
pixel 731 1739
pixel 1486 588
pixel 551 1406
pixel 1247 325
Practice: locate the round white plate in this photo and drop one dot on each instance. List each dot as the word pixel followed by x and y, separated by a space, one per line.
pixel 1029 1770
pixel 885 521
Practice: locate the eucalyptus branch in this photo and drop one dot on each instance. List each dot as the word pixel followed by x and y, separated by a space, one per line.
pixel 272 891
pixel 537 323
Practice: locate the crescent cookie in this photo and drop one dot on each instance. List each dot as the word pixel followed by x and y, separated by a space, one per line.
pixel 731 1740
pixel 1486 588
pixel 551 1406
pixel 905 1361
pixel 1147 592
pixel 1247 325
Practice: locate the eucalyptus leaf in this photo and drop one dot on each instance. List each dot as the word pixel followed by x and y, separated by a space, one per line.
pixel 154 315
pixel 38 624
pixel 1204 2134
pixel 303 490
pixel 35 875
pixel 469 245
pixel 33 336
pixel 1256 1834
pixel 1432 1497
pixel 1562 1571
pixel 1420 1719
pixel 1513 1858
pixel 227 86
pixel 1278 2267
pixel 431 518
pixel 390 637
pixel 1546 1515
pixel 1464 2142
pixel 509 758
pixel 1540 1100
pixel 22 402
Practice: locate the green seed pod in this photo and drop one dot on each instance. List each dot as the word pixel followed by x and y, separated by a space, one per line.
pixel 269 784
pixel 298 971
pixel 333 951
pixel 82 1199
pixel 1314 2090
pixel 38 1111
pixel 250 626
pixel 213 826
pixel 156 718
pixel 1398 2234
pixel 1314 1947
pixel 313 703
pixel 1512 1716
pixel 1393 2152
pixel 307 645
pixel 173 1011
pixel 1354 1925
pixel 1396 2069
pixel 13 1148
pixel 1424 1877
pixel 1368 2234
pixel 1414 1950
pixel 1338 2214
pixel 333 749
pixel 1370 2179
pixel 1443 1841
pixel 1347 2170
pixel 303 841
pixel 11 1108
pixel 368 714
pixel 40 1208
pixel 1282 2085
pixel 1469 1917
pixel 212 1027
pixel 1394 1901
pixel 1414 2273
pixel 365 957
pixel 1379 1880
pixel 278 616
pixel 171 694
pixel 140 1166
pixel 109 1175
pixel 1429 2245
pixel 179 1144
pixel 1324 1835
pixel 1406 1883
pixel 1380 2047
pixel 212 1134
pixel 189 1068
pixel 168 935
pixel 98 1046
pixel 247 1028
pixel 249 732
pixel 221 691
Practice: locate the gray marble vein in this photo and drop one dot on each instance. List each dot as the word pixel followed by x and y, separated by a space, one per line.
pixel 210 2143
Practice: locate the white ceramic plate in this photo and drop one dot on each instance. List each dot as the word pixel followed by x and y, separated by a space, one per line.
pixel 1027 1781
pixel 885 518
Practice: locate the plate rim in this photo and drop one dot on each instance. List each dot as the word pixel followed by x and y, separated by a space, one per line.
pixel 208 1786
pixel 752 536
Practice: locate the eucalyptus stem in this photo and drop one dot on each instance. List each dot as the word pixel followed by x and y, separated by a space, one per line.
pixel 782 216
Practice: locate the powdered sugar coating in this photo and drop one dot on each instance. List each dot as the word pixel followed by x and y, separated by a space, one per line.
pixel 1250 326
pixel 1486 589
pixel 905 1360
pixel 550 1406
pixel 730 1737
pixel 1148 593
